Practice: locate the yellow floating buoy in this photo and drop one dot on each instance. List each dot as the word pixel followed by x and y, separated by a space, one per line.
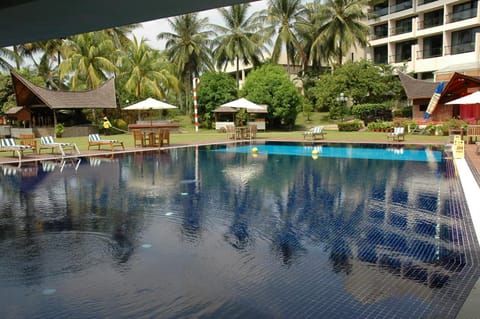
pixel 254 150
pixel 315 152
pixel 314 157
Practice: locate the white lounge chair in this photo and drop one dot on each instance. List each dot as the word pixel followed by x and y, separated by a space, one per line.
pixel 49 142
pixel 9 145
pixel 314 132
pixel 95 140
pixel 397 134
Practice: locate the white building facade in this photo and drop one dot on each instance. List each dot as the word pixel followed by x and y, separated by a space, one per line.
pixel 431 38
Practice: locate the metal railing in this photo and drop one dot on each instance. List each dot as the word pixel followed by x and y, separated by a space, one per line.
pixel 401 6
pixel 460 48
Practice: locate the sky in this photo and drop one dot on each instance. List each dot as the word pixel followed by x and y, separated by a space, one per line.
pixel 149 30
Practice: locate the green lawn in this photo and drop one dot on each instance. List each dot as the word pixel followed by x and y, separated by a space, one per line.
pixel 187 134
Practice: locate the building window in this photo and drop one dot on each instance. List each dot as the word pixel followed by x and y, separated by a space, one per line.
pixel 403 51
pixel 403 26
pixel 432 46
pixel 420 2
pixel 464 11
pixel 433 19
pixel 380 9
pixel 401 5
pixel 380 54
pixel 464 40
pixel 423 107
pixel 380 31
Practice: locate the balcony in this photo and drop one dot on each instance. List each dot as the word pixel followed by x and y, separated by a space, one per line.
pixel 380 12
pixel 462 15
pixel 401 6
pixel 399 58
pixel 420 2
pixel 430 53
pixel 460 48
pixel 430 23
pixel 401 29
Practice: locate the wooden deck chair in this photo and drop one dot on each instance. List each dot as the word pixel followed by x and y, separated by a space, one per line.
pixel 314 132
pixel 138 138
pixel 9 145
pixel 231 132
pixel 49 143
pixel 95 140
pixel 397 134
pixel 29 139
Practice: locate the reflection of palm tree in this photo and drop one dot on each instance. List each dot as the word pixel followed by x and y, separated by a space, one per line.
pixel 238 235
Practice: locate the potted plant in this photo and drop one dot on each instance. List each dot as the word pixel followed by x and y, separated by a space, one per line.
pixel 59 130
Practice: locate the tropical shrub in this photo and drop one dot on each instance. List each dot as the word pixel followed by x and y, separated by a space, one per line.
pixel 350 126
pixel 372 112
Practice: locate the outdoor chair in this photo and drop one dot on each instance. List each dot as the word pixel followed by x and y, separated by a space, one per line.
pixel 95 140
pixel 163 137
pixel 138 138
pixel 473 132
pixel 419 129
pixel 314 132
pixel 397 134
pixel 231 132
pixel 29 139
pixel 47 142
pixel 252 132
pixel 9 145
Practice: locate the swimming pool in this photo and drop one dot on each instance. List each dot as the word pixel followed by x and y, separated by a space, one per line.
pixel 221 232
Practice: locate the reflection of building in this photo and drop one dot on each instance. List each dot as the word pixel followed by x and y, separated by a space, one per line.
pixel 428 37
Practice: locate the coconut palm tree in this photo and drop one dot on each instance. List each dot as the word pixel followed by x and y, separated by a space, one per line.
pixel 188 48
pixel 343 26
pixel 6 55
pixel 119 35
pixel 282 15
pixel 145 72
pixel 243 38
pixel 87 60
pixel 308 28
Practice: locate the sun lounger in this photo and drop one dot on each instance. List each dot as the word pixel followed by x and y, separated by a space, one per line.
pixel 9 145
pixel 314 132
pixel 397 134
pixel 49 143
pixel 95 140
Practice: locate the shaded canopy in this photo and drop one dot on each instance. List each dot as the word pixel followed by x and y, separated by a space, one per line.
pixel 150 104
pixel 473 98
pixel 243 103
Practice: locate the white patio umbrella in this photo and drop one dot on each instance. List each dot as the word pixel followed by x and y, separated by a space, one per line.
pixel 149 104
pixel 243 103
pixel 473 98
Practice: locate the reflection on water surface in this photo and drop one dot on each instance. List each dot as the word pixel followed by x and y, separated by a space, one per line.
pixel 198 233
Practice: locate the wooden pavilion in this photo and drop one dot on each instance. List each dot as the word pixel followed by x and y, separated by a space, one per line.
pixel 37 107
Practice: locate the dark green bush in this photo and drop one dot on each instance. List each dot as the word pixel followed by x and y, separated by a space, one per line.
pixel 350 126
pixel 372 112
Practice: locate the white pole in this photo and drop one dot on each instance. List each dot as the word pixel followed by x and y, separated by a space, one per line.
pixel 195 106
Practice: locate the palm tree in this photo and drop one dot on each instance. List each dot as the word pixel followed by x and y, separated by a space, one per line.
pixel 6 55
pixel 308 28
pixel 187 47
pixel 87 60
pixel 119 35
pixel 343 26
pixel 283 14
pixel 144 71
pixel 243 38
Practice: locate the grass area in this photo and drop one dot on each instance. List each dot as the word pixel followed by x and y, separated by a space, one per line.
pixel 187 134
pixel 206 136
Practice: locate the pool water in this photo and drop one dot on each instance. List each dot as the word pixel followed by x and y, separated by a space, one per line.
pixel 217 232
